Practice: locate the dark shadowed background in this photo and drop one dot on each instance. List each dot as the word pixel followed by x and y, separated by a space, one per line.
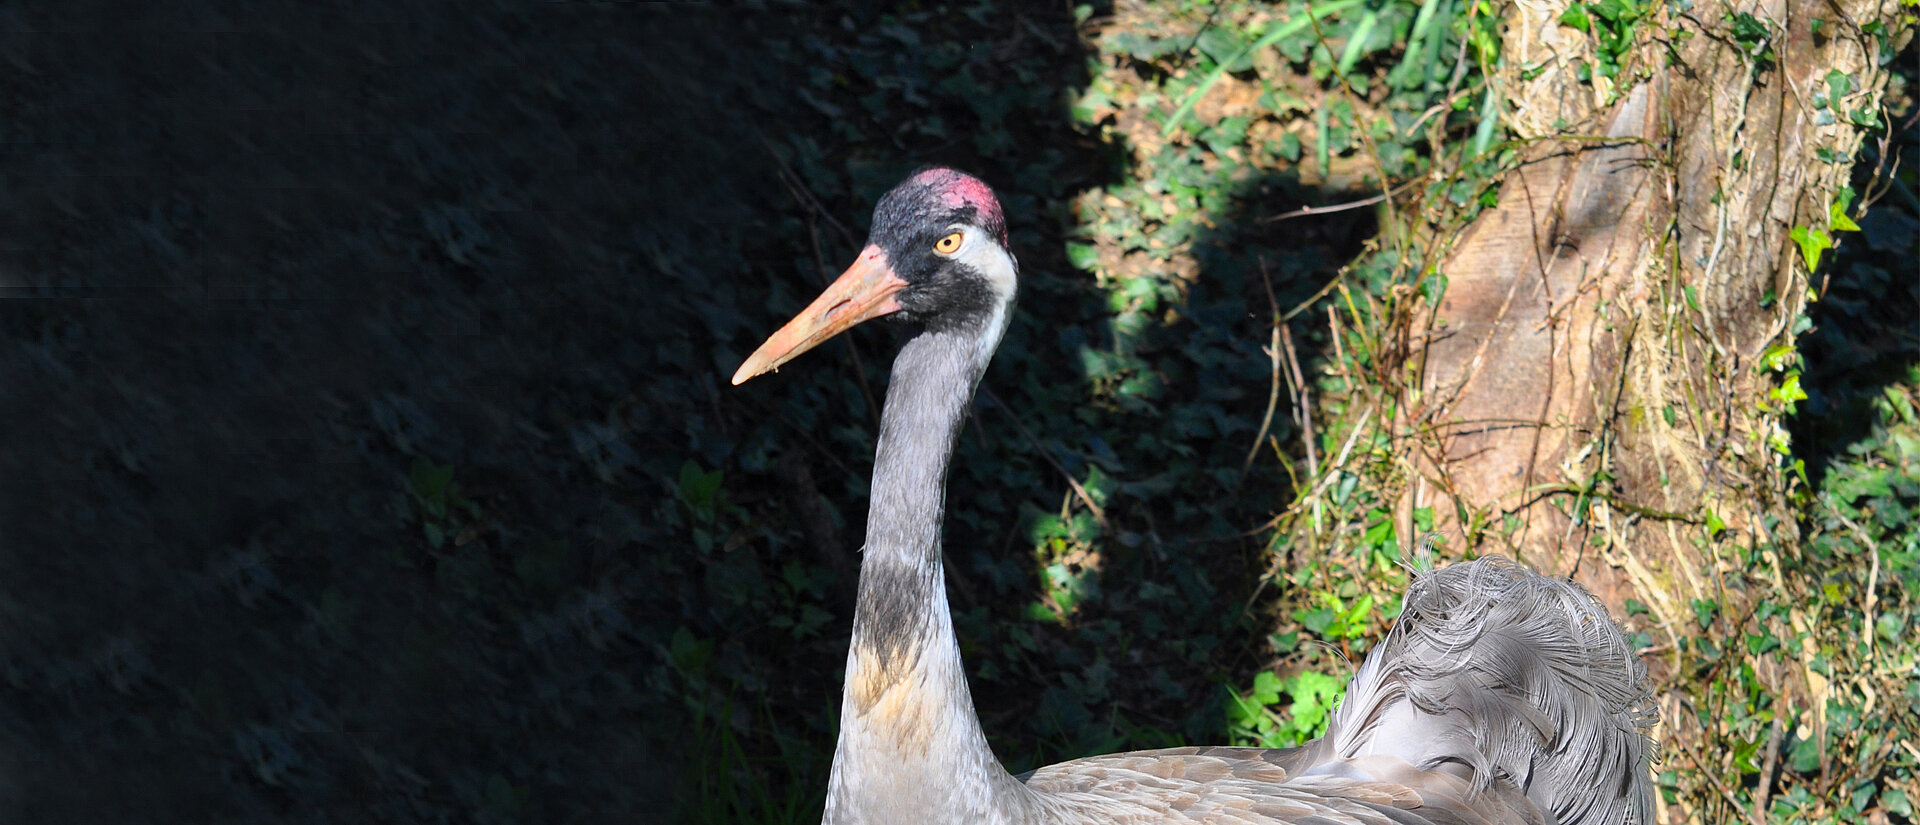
pixel 366 413
pixel 367 445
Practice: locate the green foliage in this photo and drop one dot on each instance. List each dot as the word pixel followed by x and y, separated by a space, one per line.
pixel 1228 51
pixel 1812 242
pixel 1236 133
pixel 1261 718
pixel 1754 37
pixel 1612 23
pixel 1840 609
pixel 444 513
pixel 1872 500
pixel 1845 615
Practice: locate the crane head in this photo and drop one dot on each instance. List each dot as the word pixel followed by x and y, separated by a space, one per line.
pixel 937 255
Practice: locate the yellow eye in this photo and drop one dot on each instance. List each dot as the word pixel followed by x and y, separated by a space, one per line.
pixel 947 245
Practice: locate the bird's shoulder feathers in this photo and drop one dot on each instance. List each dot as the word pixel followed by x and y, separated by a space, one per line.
pixel 1266 786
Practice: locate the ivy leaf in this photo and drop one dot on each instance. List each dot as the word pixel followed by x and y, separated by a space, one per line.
pixel 1380 534
pixel 1289 147
pixel 1896 802
pixel 1082 256
pixel 1704 610
pixel 1837 211
pixel 1749 32
pixel 1575 17
pixel 1789 390
pixel 1777 357
pixel 1812 242
pixel 1266 688
pixel 1313 697
pixel 1838 85
pixel 1227 48
pixel 1805 756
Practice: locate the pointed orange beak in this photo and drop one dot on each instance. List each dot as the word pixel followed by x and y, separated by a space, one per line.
pixel 865 291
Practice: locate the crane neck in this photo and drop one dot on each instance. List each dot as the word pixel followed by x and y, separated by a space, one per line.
pixel 911 747
pixel 927 402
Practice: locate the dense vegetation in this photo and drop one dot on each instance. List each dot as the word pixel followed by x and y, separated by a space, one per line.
pixel 372 458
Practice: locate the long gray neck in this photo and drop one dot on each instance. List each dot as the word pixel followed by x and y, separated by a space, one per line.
pixel 911 748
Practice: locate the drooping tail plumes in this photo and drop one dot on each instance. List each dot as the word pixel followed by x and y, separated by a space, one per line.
pixel 1517 677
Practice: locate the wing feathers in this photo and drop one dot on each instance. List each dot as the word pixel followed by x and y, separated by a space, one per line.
pixel 1501 697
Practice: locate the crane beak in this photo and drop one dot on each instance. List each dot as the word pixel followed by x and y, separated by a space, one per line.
pixel 864 292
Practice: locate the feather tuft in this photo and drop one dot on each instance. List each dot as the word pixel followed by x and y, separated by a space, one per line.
pixel 1499 674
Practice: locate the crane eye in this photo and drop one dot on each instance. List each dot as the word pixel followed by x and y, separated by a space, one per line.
pixel 947 245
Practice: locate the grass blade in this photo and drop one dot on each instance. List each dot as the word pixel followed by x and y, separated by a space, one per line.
pixel 1489 122
pixel 1284 30
pixel 1322 151
pixel 1417 56
pixel 1356 42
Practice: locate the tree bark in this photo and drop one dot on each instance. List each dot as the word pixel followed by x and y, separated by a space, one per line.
pixel 1593 398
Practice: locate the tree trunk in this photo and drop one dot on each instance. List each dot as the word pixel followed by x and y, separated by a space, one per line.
pixel 1597 397
pixel 1602 389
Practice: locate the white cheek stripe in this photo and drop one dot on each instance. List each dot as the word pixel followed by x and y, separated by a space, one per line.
pixel 987 258
pixel 1001 271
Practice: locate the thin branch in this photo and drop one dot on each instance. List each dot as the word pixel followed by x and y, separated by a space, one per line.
pixel 1341 207
pixel 1273 356
pixel 1099 514
pixel 796 185
pixel 1713 777
pixel 798 191
pixel 1612 500
pixel 853 349
pixel 1766 772
pixel 1873 576
pixel 1303 399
